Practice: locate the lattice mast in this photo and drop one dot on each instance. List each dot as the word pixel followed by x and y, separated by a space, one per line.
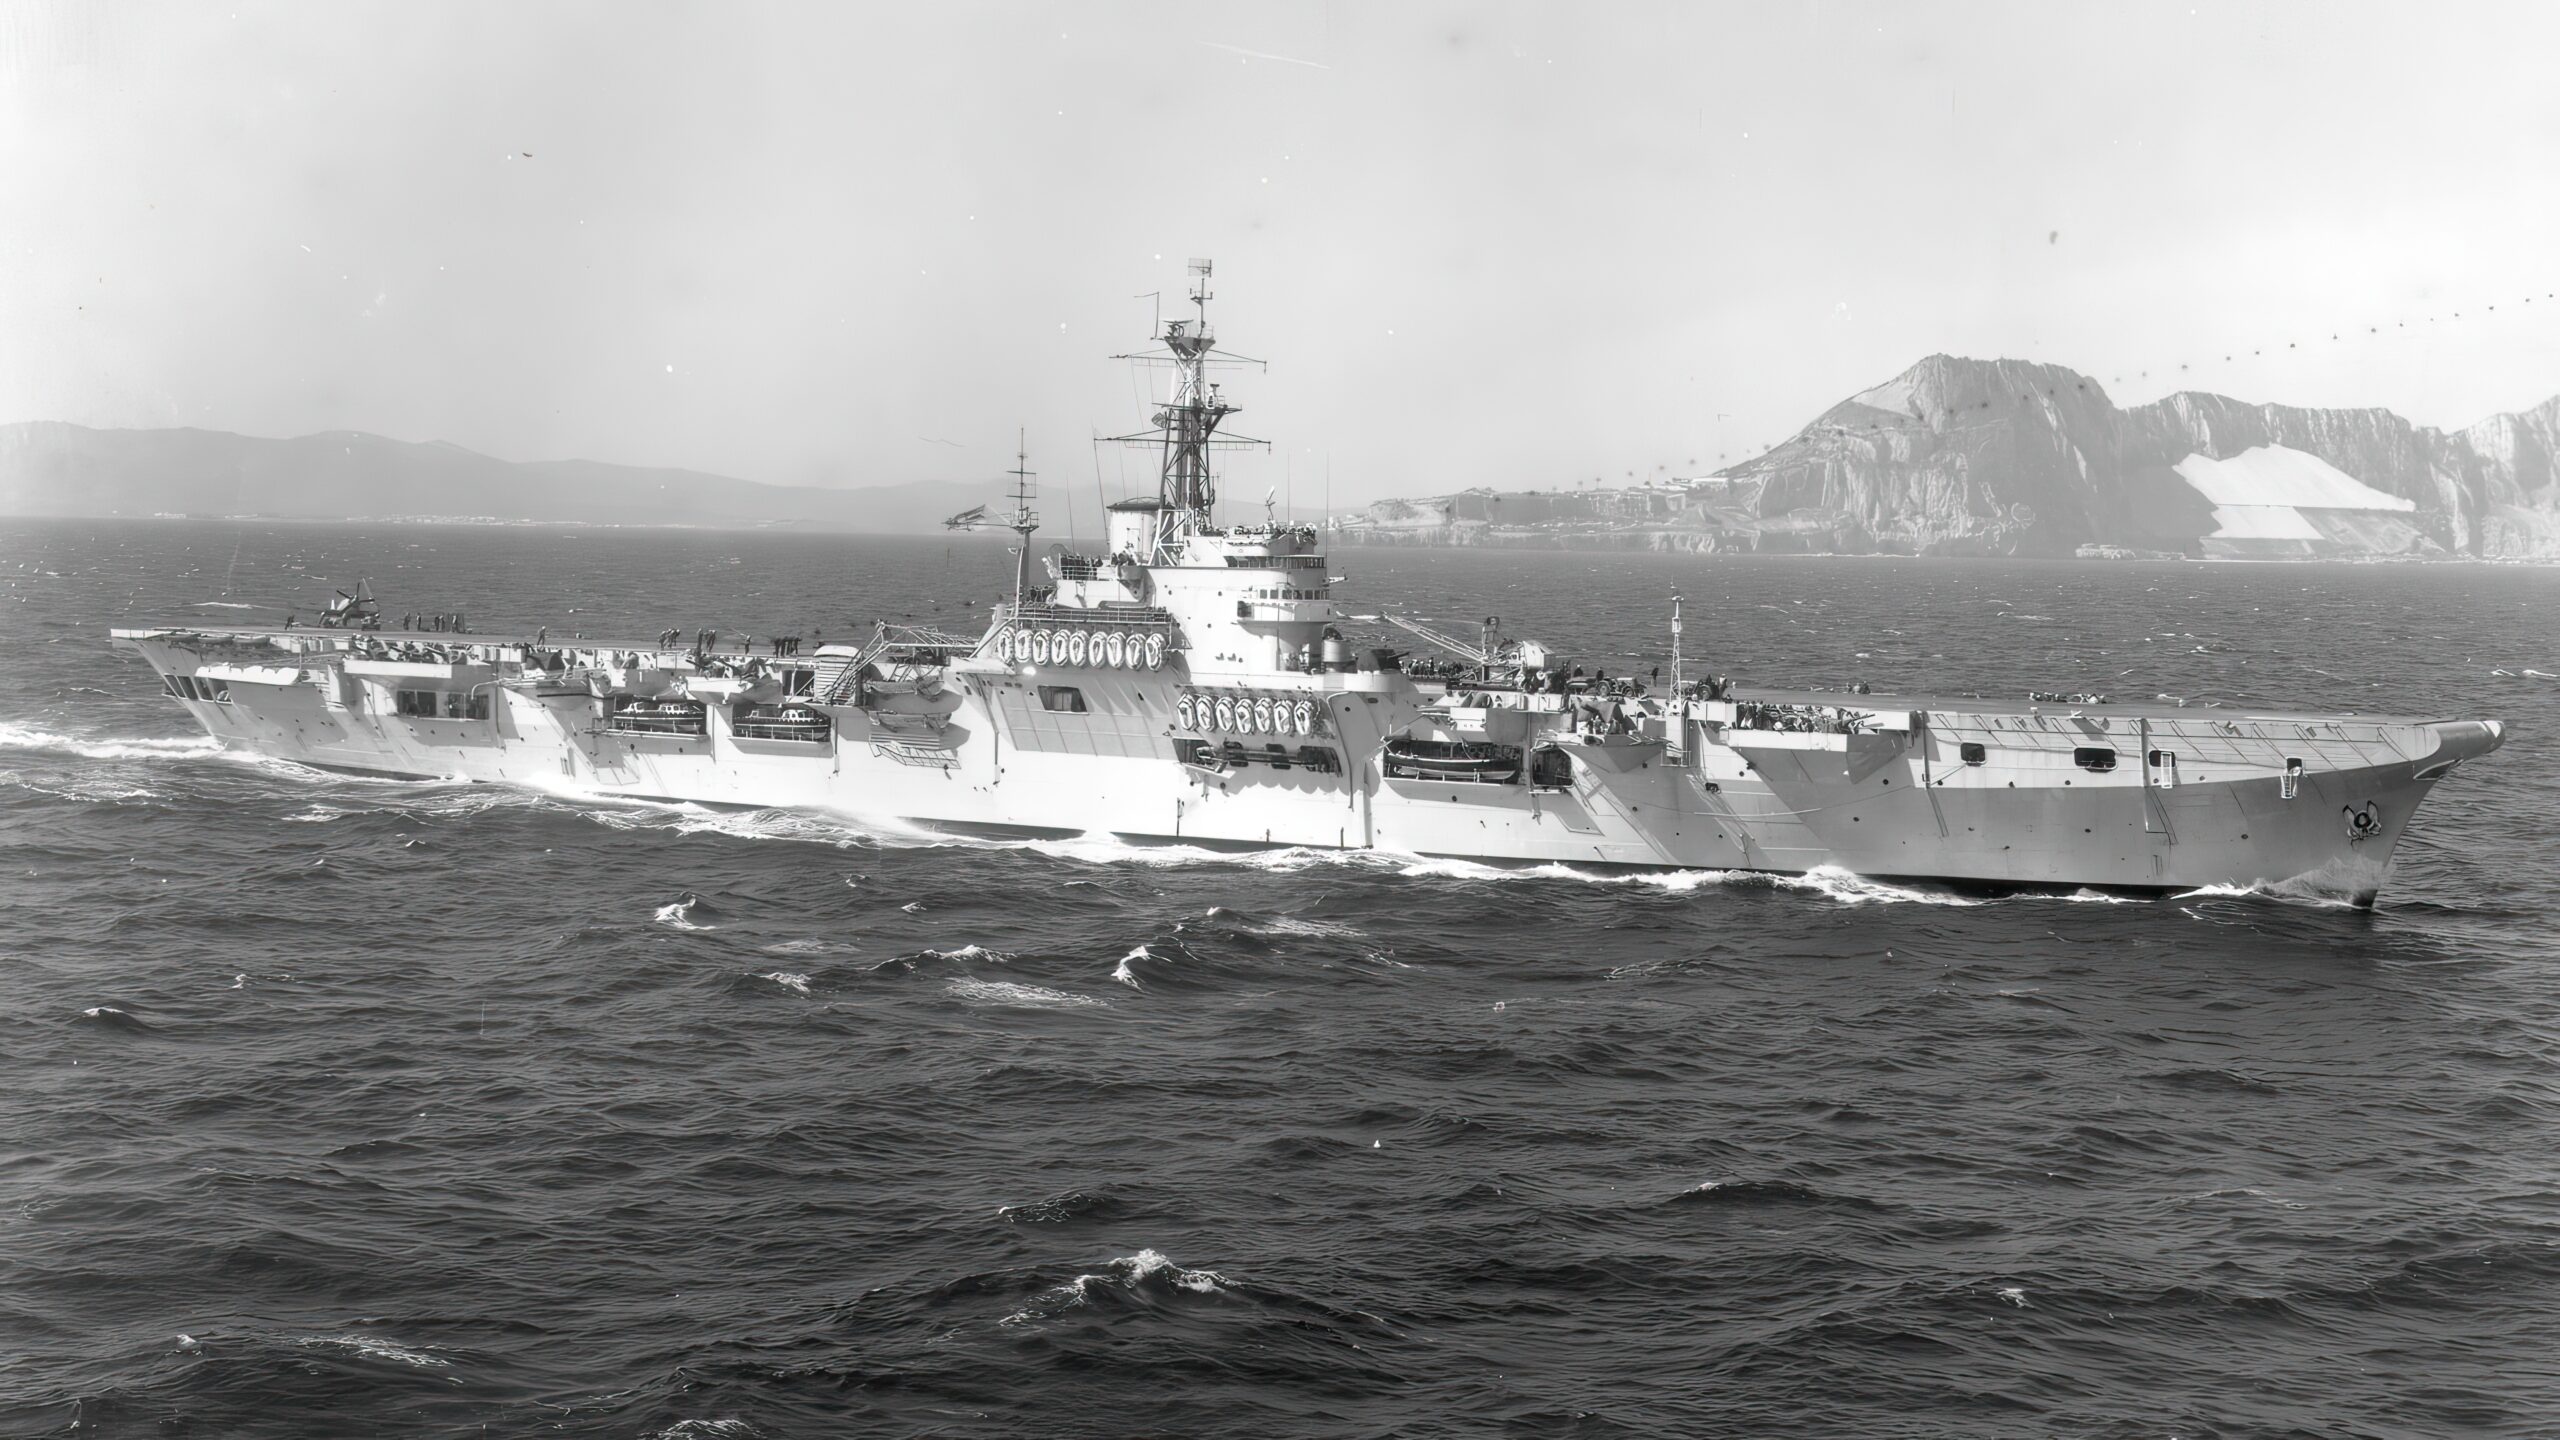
pixel 1187 423
pixel 1024 520
pixel 1021 521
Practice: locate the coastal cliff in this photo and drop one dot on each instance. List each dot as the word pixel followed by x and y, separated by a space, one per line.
pixel 2008 457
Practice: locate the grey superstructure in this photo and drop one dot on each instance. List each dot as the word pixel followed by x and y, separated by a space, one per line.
pixel 1193 684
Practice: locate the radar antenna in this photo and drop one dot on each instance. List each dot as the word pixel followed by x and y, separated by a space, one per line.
pixel 1186 425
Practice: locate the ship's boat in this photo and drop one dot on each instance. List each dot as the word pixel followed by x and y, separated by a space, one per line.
pixel 659 717
pixel 781 722
pixel 1452 760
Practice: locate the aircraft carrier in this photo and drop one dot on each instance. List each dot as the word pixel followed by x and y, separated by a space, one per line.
pixel 1194 684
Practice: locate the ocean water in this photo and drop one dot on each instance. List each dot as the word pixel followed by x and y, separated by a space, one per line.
pixel 335 1107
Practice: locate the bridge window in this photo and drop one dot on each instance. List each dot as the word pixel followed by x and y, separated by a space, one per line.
pixel 1064 699
pixel 2100 758
pixel 1973 752
pixel 416 703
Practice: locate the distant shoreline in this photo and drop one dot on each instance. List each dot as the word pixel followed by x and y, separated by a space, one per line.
pixel 1640 543
pixel 1344 541
pixel 484 522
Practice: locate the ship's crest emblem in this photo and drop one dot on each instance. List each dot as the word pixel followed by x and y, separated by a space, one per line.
pixel 2363 822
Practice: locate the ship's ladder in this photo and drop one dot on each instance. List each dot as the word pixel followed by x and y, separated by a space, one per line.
pixel 838 678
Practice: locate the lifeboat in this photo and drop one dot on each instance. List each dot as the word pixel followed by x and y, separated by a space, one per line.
pixel 796 723
pixel 1452 760
pixel 658 717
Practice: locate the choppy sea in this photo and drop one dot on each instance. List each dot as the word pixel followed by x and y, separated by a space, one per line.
pixel 340 1107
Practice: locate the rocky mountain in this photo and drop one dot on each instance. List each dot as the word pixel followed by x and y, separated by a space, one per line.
pixel 2009 457
pixel 48 468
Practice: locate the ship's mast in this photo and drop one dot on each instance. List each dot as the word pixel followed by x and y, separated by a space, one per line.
pixel 1676 676
pixel 1024 519
pixel 1186 424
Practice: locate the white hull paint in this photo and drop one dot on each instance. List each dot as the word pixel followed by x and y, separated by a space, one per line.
pixel 1683 790
pixel 1192 685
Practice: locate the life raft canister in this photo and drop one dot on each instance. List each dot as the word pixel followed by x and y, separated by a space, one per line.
pixel 1226 712
pixel 1133 650
pixel 1306 718
pixel 1111 649
pixel 1155 652
pixel 1076 648
pixel 1182 715
pixel 1262 716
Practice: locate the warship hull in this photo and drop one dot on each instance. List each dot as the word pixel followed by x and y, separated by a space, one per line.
pixel 1193 684
pixel 1975 794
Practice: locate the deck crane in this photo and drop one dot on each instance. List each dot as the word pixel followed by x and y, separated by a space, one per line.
pixel 1492 653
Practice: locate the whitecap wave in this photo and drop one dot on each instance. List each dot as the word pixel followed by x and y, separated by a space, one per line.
pixel 1024 997
pixel 677 914
pixel 684 817
pixel 811 946
pixel 88 790
pixel 370 1348
pixel 1128 1272
pixel 2251 1192
pixel 787 980
pixel 2298 891
pixel 108 747
pixel 1849 889
pixel 1126 976
pixel 1281 925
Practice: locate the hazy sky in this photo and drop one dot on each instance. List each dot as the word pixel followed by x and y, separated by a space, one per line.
pixel 1525 245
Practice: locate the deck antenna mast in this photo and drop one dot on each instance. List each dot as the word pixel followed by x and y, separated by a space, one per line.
pixel 1675 645
pixel 1186 424
pixel 1024 519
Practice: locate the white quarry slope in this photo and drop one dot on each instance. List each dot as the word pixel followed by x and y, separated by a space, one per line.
pixel 1893 395
pixel 2280 475
pixel 2262 522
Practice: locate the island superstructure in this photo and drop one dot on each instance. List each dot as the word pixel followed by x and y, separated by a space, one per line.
pixel 1194 684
